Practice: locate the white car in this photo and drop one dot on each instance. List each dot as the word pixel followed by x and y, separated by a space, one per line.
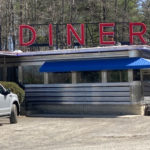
pixel 9 104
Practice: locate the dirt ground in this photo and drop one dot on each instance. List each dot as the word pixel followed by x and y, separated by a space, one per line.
pixel 99 133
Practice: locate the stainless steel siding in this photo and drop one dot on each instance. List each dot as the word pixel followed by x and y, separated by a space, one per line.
pixel 74 97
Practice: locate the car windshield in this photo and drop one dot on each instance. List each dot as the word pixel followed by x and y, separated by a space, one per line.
pixel 1 89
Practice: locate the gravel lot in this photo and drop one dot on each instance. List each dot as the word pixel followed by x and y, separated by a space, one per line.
pixel 101 133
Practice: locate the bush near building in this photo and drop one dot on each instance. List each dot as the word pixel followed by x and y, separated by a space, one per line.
pixel 15 89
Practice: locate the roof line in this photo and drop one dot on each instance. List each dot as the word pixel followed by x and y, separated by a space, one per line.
pixel 79 50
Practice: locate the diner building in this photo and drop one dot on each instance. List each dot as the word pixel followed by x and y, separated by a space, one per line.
pixel 84 81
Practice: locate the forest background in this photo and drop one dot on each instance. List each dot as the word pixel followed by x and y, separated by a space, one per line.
pixel 39 14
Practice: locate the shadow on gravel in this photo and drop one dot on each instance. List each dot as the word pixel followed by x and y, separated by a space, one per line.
pixel 73 116
pixel 2 124
pixel 4 121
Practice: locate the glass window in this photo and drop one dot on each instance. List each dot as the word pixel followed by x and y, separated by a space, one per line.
pixel 63 77
pixel 136 75
pixel 88 77
pixel 146 75
pixel 1 74
pixel 1 90
pixel 31 75
pixel 117 76
pixel 12 74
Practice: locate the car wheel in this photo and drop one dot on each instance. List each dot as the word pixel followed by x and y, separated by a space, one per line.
pixel 13 116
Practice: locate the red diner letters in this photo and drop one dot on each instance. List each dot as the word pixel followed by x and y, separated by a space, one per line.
pixel 22 43
pixel 50 35
pixel 139 34
pixel 105 38
pixel 102 33
pixel 70 30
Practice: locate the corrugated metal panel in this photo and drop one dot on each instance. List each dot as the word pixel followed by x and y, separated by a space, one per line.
pixel 146 88
pixel 82 94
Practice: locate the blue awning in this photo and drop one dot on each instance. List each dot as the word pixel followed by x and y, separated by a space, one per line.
pixel 95 64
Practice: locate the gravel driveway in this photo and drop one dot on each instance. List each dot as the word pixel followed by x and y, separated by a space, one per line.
pixel 102 133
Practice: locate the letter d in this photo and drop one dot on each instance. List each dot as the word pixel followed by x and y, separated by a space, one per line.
pixel 22 43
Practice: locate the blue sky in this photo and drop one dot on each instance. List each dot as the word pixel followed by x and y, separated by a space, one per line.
pixel 140 3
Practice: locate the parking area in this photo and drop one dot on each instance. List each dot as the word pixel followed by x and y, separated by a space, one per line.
pixel 49 133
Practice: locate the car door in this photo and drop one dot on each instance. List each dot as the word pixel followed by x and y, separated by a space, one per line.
pixel 4 102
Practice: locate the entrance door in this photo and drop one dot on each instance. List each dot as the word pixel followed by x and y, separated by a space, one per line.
pixel 146 85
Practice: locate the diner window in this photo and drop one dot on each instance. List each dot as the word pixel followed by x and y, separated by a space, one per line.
pixel 117 76
pixel 136 75
pixel 1 73
pixel 59 78
pixel 31 75
pixel 89 77
pixel 12 74
pixel 146 75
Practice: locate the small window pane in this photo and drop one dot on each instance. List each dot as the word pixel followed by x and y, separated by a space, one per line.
pixel 136 75
pixel 31 75
pixel 1 74
pixel 12 74
pixel 117 76
pixel 146 75
pixel 59 78
pixel 89 77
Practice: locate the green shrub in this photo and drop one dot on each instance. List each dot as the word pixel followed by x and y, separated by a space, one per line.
pixel 15 89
